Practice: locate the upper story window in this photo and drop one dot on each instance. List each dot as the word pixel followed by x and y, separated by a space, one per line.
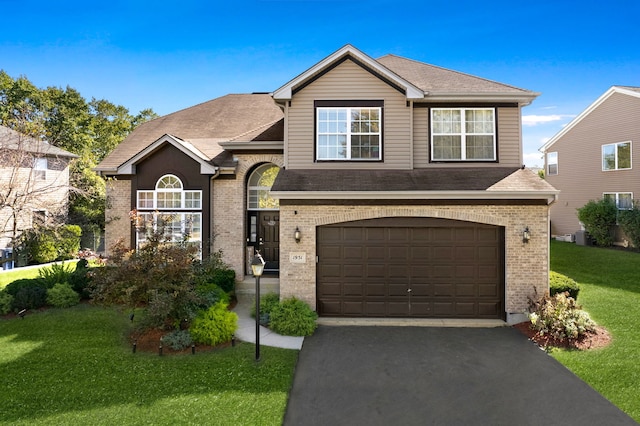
pixel 552 163
pixel 40 166
pixel 463 134
pixel 349 133
pixel 169 194
pixel 623 200
pixel 616 156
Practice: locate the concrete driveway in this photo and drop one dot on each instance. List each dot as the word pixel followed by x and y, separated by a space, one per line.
pixel 374 375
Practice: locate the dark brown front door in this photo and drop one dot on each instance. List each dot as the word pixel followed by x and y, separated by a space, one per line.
pixel 269 239
pixel 411 267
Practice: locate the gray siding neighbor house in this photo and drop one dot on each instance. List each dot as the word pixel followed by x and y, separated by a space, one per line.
pixel 595 156
pixel 372 187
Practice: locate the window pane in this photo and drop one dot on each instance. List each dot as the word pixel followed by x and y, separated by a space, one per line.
pixel 479 148
pixel 608 157
pixel 624 155
pixel 625 201
pixel 447 148
pixel 145 199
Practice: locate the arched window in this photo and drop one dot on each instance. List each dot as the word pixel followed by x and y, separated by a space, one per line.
pixel 170 208
pixel 259 188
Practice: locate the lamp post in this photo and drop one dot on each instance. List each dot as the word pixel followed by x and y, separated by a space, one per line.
pixel 257 267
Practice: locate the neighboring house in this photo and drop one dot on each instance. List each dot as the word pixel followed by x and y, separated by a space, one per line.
pixel 595 156
pixel 34 184
pixel 373 188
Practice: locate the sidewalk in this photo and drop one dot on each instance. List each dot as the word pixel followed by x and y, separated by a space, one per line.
pixel 247 328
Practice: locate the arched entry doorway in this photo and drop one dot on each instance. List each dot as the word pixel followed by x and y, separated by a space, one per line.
pixel 263 214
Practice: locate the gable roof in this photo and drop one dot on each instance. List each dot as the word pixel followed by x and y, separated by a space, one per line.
pixel 625 90
pixel 444 84
pixel 12 140
pixel 204 126
pixel 286 92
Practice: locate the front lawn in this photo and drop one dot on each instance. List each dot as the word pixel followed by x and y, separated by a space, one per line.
pixel 7 277
pixel 610 291
pixel 73 366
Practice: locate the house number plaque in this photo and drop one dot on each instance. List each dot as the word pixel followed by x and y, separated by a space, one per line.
pixel 298 257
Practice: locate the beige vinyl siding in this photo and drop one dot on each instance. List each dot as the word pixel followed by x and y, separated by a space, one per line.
pixel 580 177
pixel 509 142
pixel 348 81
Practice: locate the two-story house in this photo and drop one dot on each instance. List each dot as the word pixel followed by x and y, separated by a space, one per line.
pixel 34 183
pixel 373 188
pixel 593 157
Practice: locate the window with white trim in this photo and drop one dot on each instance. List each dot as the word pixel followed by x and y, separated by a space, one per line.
pixel 623 200
pixel 463 134
pixel 40 166
pixel 170 209
pixel 259 188
pixel 552 163
pixel 616 156
pixel 349 133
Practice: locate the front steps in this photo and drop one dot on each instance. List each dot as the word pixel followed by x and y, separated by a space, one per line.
pixel 267 285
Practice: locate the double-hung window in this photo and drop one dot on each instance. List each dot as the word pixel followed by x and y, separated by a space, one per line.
pixel 463 134
pixel 616 156
pixel 40 166
pixel 623 200
pixel 351 133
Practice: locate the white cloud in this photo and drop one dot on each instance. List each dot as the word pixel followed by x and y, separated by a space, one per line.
pixel 533 159
pixel 534 120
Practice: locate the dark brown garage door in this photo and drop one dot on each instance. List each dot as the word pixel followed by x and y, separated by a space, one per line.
pixel 411 267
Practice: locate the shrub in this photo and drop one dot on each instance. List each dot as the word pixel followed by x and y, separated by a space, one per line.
pixel 629 221
pixel 599 218
pixel 559 316
pixel 215 325
pixel 559 283
pixel 54 274
pixel 293 317
pixel 178 339
pixel 6 302
pixel 30 298
pixel 15 286
pixel 211 294
pixel 38 245
pixel 214 270
pixel 79 279
pixel 62 295
pixel 267 303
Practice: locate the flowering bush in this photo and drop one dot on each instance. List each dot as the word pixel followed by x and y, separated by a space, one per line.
pixel 559 316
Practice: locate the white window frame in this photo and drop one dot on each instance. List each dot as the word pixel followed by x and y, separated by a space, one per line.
pixel 40 166
pixel 552 160
pixel 463 135
pixel 616 198
pixel 148 199
pixel 616 166
pixel 182 224
pixel 347 133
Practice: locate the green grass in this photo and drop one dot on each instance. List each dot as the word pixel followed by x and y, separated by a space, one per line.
pixel 610 291
pixel 73 366
pixel 7 277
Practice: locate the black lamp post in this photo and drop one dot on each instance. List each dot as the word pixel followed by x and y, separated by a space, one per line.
pixel 257 267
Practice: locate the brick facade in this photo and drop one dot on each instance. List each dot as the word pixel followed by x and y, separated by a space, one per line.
pixel 526 264
pixel 117 223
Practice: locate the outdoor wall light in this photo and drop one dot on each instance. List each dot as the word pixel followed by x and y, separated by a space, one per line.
pixel 297 235
pixel 526 235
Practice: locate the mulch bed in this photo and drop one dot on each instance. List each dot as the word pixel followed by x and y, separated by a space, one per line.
pixel 149 341
pixel 598 339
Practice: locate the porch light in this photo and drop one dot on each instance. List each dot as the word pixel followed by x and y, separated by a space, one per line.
pixel 526 235
pixel 297 235
pixel 257 267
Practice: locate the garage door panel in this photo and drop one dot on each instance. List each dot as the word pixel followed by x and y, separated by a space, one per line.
pixel 453 268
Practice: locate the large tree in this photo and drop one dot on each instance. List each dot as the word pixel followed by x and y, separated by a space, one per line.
pixel 63 118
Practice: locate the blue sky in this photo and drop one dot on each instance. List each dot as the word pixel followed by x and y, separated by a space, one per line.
pixel 172 55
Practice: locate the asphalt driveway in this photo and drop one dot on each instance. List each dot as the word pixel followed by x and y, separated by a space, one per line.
pixel 349 375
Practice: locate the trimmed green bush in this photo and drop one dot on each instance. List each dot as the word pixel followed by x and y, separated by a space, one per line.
pixel 13 287
pixel 69 241
pixel 80 278
pixel 629 221
pixel 267 303
pixel 559 283
pixel 30 298
pixel 599 218
pixel 215 325
pixel 225 279
pixel 6 302
pixel 62 295
pixel 293 317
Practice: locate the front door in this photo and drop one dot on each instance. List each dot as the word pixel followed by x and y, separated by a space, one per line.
pixel 269 239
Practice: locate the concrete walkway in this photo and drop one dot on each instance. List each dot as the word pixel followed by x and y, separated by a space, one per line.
pixel 247 327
